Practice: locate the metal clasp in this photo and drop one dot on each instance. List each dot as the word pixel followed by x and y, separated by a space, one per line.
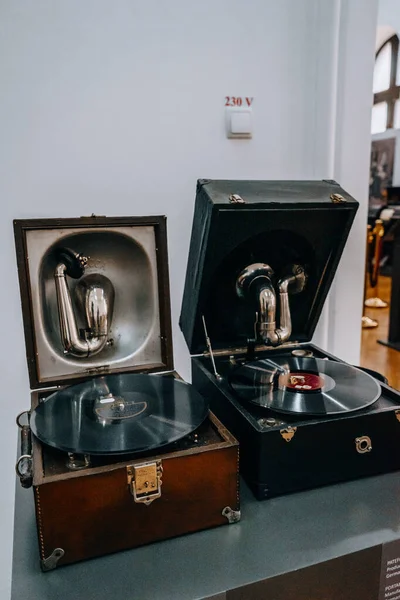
pixel 397 413
pixel 363 444
pixel 144 480
pixel 288 433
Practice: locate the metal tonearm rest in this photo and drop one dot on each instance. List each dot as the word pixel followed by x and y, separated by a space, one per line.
pixel 255 282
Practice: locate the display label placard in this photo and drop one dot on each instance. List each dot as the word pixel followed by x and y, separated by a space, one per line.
pixel 389 588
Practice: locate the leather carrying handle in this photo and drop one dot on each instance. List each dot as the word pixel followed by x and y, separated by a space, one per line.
pixel 24 463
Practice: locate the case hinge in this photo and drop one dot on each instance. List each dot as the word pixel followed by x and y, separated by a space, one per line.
pixel 236 199
pixel 98 370
pixel 267 423
pixel 337 198
pixel 144 480
pixel 243 349
pixel 93 216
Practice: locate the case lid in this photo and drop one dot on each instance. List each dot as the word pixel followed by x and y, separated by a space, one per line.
pixel 117 303
pixel 280 223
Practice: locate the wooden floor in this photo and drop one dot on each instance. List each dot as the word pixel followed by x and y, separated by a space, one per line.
pixel 374 355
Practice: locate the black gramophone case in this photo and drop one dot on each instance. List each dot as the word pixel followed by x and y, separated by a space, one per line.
pixel 89 506
pixel 281 223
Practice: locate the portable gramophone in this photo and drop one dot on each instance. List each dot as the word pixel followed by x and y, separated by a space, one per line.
pixel 262 258
pixel 112 431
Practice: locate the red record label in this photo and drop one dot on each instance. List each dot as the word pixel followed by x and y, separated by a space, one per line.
pixel 303 382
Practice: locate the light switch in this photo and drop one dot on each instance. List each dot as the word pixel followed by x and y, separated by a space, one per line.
pixel 239 124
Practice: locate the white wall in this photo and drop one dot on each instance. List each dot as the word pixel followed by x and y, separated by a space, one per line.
pixel 352 147
pixel 383 33
pixel 117 108
pixel 389 15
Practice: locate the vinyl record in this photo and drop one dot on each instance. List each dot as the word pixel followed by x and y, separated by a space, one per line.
pixel 119 414
pixel 309 386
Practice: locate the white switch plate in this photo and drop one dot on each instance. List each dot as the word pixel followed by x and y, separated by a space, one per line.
pixel 239 123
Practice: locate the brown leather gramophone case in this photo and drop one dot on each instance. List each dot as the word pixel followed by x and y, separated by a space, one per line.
pixel 90 506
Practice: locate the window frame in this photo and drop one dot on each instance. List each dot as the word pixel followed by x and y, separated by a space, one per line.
pixel 393 92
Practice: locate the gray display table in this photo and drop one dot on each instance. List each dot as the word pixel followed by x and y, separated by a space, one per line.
pixel 286 541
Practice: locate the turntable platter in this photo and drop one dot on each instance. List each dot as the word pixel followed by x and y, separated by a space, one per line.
pixel 119 414
pixel 308 386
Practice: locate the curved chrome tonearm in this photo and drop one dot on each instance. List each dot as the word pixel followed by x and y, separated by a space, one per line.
pixel 95 295
pixel 256 281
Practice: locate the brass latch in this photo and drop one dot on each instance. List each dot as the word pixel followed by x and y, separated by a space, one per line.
pixel 288 433
pixel 337 198
pixel 144 481
pixel 397 413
